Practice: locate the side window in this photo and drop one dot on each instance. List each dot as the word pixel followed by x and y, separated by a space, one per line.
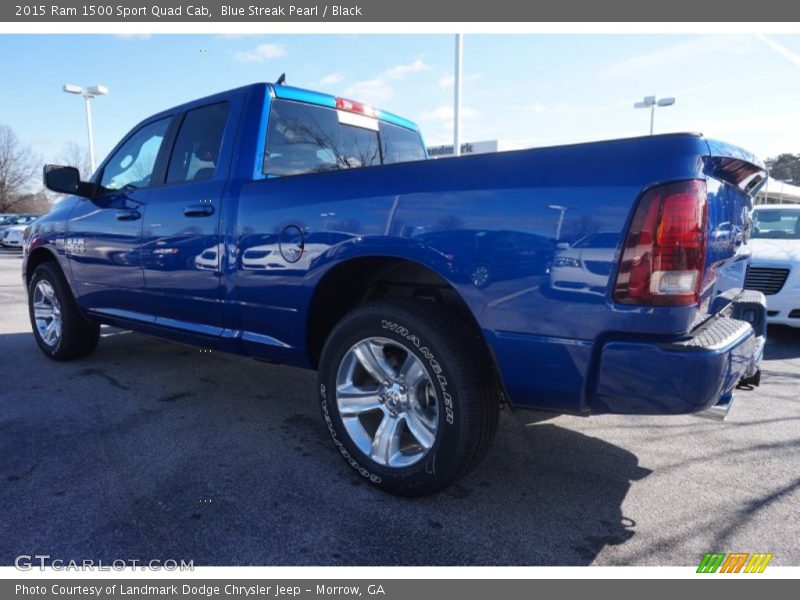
pixel 301 138
pixel 132 165
pixel 196 152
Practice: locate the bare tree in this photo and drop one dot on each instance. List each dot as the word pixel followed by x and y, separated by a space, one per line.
pixel 19 166
pixel 75 155
pixel 37 203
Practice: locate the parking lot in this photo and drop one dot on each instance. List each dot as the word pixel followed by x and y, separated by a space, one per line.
pixel 154 450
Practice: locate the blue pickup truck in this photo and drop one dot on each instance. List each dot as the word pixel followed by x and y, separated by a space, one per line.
pixel 305 229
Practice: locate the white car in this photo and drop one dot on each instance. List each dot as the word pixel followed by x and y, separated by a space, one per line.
pixel 13 237
pixel 270 257
pixel 775 264
pixel 584 267
pixel 208 259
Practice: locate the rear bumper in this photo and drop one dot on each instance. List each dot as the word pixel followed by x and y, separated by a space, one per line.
pixel 687 375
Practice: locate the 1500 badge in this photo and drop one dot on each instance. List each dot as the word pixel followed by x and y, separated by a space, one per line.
pixel 75 246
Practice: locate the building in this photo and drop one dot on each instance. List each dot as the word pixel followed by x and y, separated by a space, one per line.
pixel 484 147
pixel 778 192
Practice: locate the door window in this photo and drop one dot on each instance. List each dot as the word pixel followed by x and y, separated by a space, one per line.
pixel 196 153
pixel 131 167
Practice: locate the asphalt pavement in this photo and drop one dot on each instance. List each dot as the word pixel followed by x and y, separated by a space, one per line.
pixel 154 450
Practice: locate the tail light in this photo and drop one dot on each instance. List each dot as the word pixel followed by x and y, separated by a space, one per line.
pixel 355 107
pixel 663 260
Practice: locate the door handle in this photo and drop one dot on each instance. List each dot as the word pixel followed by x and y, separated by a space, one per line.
pixel 128 215
pixel 198 210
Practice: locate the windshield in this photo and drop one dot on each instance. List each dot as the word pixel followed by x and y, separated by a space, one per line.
pixel 18 220
pixel 777 224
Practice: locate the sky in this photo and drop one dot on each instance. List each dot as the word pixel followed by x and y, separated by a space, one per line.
pixel 525 90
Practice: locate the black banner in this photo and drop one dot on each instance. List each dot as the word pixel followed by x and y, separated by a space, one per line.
pixel 354 11
pixel 377 589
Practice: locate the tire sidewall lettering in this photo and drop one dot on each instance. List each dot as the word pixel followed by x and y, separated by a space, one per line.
pixel 338 443
pixel 434 365
pixel 429 465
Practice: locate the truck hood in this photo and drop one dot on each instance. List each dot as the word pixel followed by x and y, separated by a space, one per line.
pixel 775 250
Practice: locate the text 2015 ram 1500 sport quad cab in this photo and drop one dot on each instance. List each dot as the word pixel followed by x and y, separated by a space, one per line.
pixel 309 230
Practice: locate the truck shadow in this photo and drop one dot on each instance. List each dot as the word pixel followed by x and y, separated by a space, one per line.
pixel 559 493
pixel 782 342
pixel 151 450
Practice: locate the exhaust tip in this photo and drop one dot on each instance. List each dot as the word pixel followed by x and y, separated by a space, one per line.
pixel 719 411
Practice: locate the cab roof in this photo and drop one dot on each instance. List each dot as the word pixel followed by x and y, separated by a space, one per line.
pixel 285 92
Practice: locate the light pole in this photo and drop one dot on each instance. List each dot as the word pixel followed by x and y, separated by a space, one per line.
pixel 563 210
pixel 326 216
pixel 88 93
pixel 457 97
pixel 651 103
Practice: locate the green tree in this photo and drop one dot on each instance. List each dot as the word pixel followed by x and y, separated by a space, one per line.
pixel 784 167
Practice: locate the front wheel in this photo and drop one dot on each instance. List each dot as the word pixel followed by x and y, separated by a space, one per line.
pixel 408 396
pixel 60 329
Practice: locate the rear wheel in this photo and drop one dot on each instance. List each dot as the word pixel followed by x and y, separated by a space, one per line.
pixel 60 329
pixel 407 395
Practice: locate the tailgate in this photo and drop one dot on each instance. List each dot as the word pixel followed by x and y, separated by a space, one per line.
pixel 734 177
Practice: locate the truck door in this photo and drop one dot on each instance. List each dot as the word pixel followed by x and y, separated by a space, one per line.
pixel 104 232
pixel 182 251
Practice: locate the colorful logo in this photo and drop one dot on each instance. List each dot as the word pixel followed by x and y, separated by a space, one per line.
pixel 735 562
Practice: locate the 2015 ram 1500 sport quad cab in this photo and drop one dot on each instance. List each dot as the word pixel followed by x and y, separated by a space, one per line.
pixel 309 230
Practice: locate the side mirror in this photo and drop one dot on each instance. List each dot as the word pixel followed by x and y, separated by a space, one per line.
pixel 66 180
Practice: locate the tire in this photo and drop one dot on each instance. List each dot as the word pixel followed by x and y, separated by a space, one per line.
pixel 443 411
pixel 49 294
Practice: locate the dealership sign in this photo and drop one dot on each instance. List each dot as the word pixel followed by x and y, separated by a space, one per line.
pixel 467 148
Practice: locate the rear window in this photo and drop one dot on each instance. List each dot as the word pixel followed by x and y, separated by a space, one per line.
pixel 305 138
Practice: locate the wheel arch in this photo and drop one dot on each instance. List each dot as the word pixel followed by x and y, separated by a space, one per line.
pixel 358 280
pixel 37 257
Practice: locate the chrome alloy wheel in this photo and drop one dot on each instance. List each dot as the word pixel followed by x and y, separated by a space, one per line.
pixel 387 402
pixel 47 312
